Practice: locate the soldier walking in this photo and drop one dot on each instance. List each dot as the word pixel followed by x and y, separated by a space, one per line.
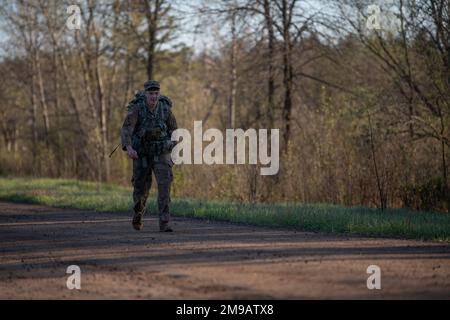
pixel 145 136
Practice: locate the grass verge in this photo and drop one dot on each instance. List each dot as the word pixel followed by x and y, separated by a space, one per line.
pixel 396 223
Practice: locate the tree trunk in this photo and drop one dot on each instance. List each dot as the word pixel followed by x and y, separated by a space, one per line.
pixel 33 109
pixel 233 74
pixel 381 191
pixel 287 75
pixel 43 99
pixel 103 123
pixel 152 25
pixel 271 68
pixel 59 143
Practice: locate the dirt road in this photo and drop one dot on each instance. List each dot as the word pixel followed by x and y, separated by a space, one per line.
pixel 203 260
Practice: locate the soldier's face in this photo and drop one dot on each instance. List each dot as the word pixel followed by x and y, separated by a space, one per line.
pixel 152 97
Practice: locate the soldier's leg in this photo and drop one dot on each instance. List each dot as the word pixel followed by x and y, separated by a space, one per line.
pixel 164 178
pixel 142 180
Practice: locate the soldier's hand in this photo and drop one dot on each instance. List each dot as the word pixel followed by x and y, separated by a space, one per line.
pixel 132 153
pixel 168 146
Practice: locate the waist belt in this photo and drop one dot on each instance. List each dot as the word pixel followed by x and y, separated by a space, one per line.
pixel 152 148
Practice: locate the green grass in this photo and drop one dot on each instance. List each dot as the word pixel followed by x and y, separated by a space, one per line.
pixel 397 223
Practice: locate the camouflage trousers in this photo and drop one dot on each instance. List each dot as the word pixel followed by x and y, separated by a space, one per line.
pixel 143 167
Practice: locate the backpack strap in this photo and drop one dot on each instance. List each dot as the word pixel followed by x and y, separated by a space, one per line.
pixel 165 105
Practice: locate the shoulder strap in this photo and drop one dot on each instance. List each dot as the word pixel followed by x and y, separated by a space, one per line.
pixel 166 101
pixel 164 106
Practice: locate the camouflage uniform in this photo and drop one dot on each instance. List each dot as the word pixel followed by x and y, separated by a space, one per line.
pixel 149 132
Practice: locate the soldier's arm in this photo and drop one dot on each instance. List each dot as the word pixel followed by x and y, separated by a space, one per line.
pixel 128 127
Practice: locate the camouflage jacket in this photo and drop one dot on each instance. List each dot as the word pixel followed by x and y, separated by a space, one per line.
pixel 142 125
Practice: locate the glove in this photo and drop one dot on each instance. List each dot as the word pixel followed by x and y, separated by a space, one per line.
pixel 168 145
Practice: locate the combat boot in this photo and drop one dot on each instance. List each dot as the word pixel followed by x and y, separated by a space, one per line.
pixel 138 223
pixel 164 227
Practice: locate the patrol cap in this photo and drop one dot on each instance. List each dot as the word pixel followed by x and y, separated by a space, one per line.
pixel 151 85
